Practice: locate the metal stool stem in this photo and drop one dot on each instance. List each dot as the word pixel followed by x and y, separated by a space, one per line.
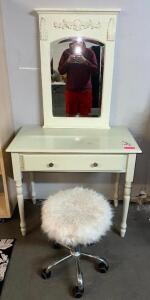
pixel 79 273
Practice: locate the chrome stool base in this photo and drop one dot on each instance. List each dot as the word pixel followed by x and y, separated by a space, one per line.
pixel 76 254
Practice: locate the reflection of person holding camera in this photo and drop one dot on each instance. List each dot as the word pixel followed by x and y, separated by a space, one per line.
pixel 78 62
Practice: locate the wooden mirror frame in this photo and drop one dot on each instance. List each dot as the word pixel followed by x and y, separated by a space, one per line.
pixel 57 24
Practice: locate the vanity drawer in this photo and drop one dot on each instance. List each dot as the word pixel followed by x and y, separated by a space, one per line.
pixel 73 162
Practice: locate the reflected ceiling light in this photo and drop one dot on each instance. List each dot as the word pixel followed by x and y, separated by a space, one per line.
pixel 79 39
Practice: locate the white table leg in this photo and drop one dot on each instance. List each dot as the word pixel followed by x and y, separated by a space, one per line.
pixel 127 194
pixel 127 191
pixel 18 179
pixel 32 186
pixel 21 206
pixel 116 190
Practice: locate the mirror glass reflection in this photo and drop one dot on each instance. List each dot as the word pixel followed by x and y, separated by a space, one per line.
pixel 77 66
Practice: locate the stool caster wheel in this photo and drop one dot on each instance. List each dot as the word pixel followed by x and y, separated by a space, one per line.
pixel 103 267
pixel 92 244
pixel 77 292
pixel 45 274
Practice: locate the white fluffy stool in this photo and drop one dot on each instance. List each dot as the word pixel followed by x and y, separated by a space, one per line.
pixel 72 218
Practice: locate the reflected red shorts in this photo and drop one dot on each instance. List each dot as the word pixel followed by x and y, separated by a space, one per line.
pixel 78 102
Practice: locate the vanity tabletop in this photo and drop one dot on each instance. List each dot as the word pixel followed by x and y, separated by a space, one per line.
pixel 36 139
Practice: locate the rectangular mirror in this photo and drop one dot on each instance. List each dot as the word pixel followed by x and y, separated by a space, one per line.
pixel 77 56
pixel 77 66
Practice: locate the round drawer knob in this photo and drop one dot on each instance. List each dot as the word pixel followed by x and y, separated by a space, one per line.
pixel 95 164
pixel 51 165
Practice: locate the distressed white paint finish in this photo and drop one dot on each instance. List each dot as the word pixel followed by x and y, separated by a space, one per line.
pixel 95 24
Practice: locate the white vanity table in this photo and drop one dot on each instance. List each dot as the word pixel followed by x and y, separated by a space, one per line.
pixel 75 144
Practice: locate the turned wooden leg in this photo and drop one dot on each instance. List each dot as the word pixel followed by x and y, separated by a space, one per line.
pixel 127 194
pixel 17 170
pixel 116 190
pixel 32 186
pixel 127 191
pixel 21 206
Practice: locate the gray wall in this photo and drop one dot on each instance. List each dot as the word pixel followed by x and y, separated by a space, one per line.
pixel 131 84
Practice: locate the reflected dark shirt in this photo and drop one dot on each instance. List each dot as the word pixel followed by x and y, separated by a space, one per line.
pixel 78 75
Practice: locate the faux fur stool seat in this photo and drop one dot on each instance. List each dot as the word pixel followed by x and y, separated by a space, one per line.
pixel 76 217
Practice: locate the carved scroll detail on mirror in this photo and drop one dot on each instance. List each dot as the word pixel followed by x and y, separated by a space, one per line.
pixel 111 30
pixel 77 25
pixel 43 30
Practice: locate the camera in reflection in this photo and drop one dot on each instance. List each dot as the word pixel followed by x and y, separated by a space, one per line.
pixel 77 50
